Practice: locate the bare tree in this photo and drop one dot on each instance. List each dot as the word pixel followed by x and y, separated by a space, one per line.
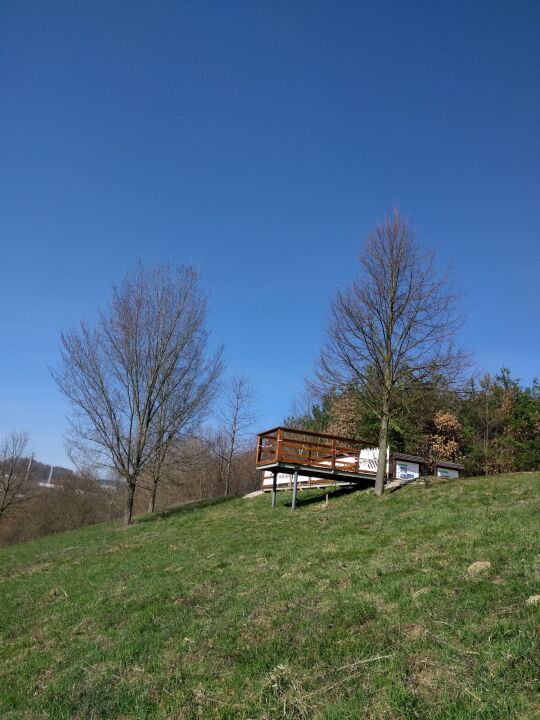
pixel 142 375
pixel 236 418
pixel 15 468
pixel 393 328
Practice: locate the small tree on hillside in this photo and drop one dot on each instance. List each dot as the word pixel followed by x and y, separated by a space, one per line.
pixel 393 328
pixel 15 469
pixel 141 376
pixel 236 418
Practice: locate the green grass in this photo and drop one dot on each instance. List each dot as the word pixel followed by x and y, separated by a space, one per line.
pixel 361 610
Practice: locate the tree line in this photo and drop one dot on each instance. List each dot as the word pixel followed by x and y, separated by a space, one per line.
pixel 78 498
pixel 194 471
pixel 492 425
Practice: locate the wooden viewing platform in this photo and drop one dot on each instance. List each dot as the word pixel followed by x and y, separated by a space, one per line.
pixel 314 454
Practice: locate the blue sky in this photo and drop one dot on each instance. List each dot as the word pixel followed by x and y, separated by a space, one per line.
pixel 260 141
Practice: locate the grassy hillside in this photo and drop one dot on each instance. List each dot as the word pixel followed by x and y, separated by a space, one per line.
pixel 361 610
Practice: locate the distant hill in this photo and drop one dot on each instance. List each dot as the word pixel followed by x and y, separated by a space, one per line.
pixel 40 472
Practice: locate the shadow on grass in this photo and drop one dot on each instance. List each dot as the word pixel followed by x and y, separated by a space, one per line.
pixel 304 500
pixel 181 509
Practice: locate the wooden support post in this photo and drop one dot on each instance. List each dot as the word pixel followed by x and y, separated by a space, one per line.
pixel 295 489
pixel 274 488
pixel 279 444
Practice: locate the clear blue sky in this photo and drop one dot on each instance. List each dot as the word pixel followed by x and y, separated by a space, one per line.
pixel 260 141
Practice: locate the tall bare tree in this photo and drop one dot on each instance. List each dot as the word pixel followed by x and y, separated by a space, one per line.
pixel 236 418
pixel 141 375
pixel 393 328
pixel 15 468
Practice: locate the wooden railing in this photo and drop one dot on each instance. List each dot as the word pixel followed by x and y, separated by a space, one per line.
pixel 316 450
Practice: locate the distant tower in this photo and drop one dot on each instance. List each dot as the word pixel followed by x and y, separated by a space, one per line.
pixel 29 468
pixel 48 484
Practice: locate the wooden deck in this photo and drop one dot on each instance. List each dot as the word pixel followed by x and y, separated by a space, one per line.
pixel 315 454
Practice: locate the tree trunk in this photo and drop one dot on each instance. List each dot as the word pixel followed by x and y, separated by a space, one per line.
pixel 152 503
pixel 381 464
pixel 228 479
pixel 128 512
